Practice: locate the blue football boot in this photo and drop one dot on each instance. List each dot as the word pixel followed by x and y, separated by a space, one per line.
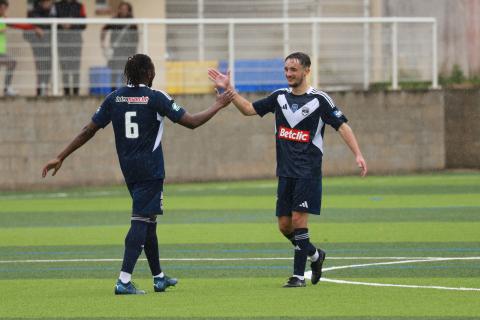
pixel 160 284
pixel 127 288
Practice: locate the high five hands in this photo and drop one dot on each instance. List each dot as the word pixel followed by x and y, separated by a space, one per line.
pixel 219 79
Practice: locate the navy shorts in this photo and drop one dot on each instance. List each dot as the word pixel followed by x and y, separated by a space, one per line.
pixel 298 194
pixel 147 197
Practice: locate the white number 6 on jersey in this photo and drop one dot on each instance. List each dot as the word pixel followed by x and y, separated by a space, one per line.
pixel 131 128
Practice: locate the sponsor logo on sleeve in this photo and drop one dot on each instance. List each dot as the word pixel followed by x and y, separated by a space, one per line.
pixel 294 135
pixel 338 113
pixel 132 100
pixel 176 107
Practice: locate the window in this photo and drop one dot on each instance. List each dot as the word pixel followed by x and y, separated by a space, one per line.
pixel 102 7
pixel 101 4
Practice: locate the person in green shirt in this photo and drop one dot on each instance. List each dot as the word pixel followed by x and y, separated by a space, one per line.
pixel 5 59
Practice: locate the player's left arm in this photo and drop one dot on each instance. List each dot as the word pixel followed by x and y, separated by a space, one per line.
pixel 349 137
pixel 86 134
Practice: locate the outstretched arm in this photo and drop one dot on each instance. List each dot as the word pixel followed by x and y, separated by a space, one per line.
pixel 86 134
pixel 193 121
pixel 349 137
pixel 223 81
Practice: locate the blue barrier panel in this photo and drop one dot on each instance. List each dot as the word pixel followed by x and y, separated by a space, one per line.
pixel 257 75
pixel 100 80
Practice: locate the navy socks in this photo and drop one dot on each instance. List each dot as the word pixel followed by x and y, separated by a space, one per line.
pixel 134 242
pixel 151 249
pixel 303 249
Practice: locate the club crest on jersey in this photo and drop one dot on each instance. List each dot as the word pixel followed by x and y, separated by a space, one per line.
pixel 133 100
pixel 294 135
pixel 305 111
pixel 294 107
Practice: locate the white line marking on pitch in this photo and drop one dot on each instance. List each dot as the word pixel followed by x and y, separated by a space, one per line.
pixel 373 284
pixel 163 259
pixel 399 262
pixel 403 260
pixel 308 274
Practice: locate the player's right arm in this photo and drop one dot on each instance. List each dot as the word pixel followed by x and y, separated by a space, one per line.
pixel 223 81
pixel 195 120
pixel 86 134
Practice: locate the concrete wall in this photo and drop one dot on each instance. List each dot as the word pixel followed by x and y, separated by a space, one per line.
pixel 462 132
pixel 398 132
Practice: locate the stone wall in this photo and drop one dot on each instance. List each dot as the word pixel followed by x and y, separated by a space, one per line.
pixel 462 129
pixel 397 131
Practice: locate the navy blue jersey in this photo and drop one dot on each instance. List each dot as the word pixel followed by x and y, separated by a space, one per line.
pixel 299 126
pixel 137 115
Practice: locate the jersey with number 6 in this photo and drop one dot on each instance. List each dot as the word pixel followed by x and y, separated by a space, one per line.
pixel 137 115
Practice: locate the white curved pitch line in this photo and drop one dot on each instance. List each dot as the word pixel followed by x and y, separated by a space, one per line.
pixel 308 274
pixel 399 262
pixel 373 284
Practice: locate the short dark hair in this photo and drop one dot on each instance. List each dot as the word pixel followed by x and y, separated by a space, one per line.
pixel 138 70
pixel 129 6
pixel 303 58
pixel 4 2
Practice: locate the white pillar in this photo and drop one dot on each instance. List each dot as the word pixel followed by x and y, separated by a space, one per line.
pixel 231 51
pixel 366 46
pixel 286 30
pixel 55 66
pixel 145 38
pixel 394 56
pixel 201 31
pixel 434 56
pixel 314 68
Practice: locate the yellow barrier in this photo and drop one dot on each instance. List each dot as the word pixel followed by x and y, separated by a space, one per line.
pixel 188 77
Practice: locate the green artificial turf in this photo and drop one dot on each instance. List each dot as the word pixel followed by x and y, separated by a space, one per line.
pixel 363 222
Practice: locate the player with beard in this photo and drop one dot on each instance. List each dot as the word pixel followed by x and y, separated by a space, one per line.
pixel 301 113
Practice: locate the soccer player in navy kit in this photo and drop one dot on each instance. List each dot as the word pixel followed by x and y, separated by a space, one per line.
pixel 137 114
pixel 301 113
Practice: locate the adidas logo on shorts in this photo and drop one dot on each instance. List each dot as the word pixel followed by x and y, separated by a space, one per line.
pixel 304 204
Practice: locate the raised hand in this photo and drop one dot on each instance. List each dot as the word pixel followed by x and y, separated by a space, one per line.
pixel 219 79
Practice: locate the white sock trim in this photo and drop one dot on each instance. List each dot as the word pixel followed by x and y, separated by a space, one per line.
pixel 160 275
pixel 299 277
pixel 125 277
pixel 315 256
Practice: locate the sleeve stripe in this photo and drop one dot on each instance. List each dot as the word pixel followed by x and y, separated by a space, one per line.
pixel 327 97
pixel 165 94
pixel 281 89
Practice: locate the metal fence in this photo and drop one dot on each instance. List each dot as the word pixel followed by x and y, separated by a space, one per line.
pixel 346 52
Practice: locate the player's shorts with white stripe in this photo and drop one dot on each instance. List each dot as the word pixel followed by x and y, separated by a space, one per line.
pixel 147 197
pixel 298 194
